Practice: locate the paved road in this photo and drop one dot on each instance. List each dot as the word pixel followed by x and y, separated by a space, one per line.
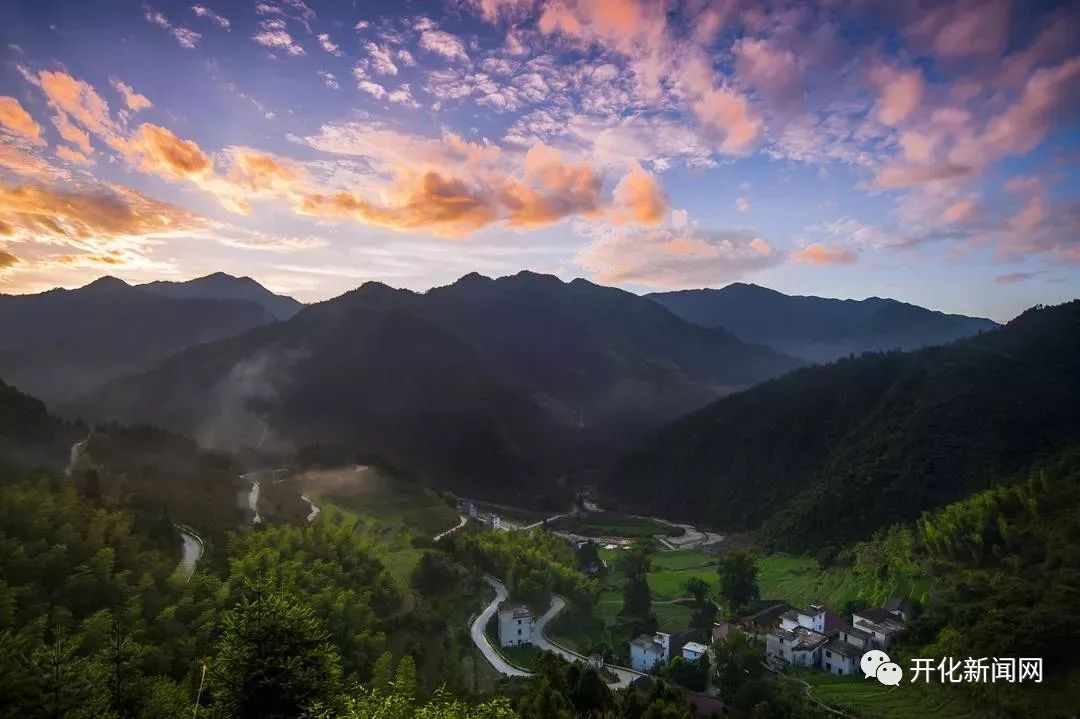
pixel 314 510
pixel 625 676
pixel 193 551
pixel 480 638
pixel 76 450
pixel 463 520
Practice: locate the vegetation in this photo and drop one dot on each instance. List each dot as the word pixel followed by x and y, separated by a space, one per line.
pixel 738 580
pixel 828 454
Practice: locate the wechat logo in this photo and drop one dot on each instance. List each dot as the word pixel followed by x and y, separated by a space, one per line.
pixel 876 663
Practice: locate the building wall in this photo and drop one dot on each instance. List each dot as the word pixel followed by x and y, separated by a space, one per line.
pixel 807 659
pixel 839 664
pixel 514 632
pixel 643 659
pixel 778 648
pixel 691 655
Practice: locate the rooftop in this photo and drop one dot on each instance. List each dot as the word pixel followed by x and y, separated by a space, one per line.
pixel 876 615
pixel 769 615
pixel 882 628
pixel 518 610
pixel 844 649
pixel 695 647
pixel 855 632
pixel 801 638
pixel 647 642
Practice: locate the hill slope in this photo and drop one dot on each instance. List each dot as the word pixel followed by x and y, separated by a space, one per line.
pixel 817 328
pixel 487 385
pixel 831 453
pixel 59 344
pixel 220 286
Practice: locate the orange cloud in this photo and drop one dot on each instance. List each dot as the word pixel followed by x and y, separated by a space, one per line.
pixel 7 260
pixel 552 190
pixel 640 198
pixel 79 100
pixel 158 151
pixel 427 201
pixel 88 217
pixel 260 172
pixel 73 156
pixel 132 99
pixel 17 120
pixel 75 135
pixel 818 254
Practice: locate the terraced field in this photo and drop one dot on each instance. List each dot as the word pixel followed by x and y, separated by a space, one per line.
pixel 872 700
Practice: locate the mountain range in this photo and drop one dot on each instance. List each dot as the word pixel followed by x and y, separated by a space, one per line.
pixel 60 344
pixel 831 453
pixel 486 385
pixel 819 329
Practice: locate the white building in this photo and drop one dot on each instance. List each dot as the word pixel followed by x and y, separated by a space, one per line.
pixel 693 651
pixel 515 624
pixel 496 523
pixel 839 657
pixel 648 651
pixel 883 626
pixel 800 647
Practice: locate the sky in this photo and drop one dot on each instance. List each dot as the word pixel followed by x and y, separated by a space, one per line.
pixel 926 151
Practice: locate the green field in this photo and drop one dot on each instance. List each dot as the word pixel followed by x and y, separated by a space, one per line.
pixel 872 700
pixel 611 524
pixel 801 581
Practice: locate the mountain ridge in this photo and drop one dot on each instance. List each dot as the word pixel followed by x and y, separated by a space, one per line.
pixel 819 329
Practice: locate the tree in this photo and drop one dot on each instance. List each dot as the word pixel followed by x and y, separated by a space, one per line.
pixel 637 599
pixel 436 574
pixel 704 609
pixel 738 579
pixel 274 660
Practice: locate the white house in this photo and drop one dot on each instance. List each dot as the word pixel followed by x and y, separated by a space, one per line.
pixel 693 651
pixel 515 624
pixel 839 657
pixel 800 647
pixel 648 651
pixel 496 523
pixel 883 626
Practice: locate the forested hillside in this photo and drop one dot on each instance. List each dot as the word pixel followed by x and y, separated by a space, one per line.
pixel 488 386
pixel 831 453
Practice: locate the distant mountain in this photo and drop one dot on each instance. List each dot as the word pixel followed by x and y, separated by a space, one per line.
pixel 817 328
pixel 62 343
pixel 220 286
pixel 491 386
pixel 831 453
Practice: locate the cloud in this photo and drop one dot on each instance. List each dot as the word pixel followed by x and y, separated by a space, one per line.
pixel 272 34
pixel 403 96
pixel 640 198
pixel 819 254
pixel 205 12
pixel 551 190
pixel 158 151
pixel 443 44
pixel 894 176
pixel 7 259
pixel 372 88
pixel 132 99
pixel 899 93
pixel 742 204
pixel 1015 277
pixel 80 101
pixel 93 218
pixel 186 37
pixel 378 60
pixel 672 258
pixel 330 80
pixel 17 120
pixel 328 46
pixel 73 156
pixel 429 201
pixel 961 27
pixel 774 72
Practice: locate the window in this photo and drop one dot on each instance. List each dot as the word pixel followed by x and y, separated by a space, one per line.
pixel 519 631
pixel 828 666
pixel 839 670
pixel 828 654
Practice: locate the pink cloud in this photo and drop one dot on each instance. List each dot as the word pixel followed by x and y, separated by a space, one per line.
pixel 774 72
pixel 899 93
pixel 819 254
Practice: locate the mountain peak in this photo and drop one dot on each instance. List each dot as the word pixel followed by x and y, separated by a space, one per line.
pixel 107 282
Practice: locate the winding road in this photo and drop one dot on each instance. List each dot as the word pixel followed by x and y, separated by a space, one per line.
pixel 624 676
pixel 461 523
pixel 193 549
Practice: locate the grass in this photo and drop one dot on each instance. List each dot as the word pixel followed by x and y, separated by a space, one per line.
pixel 873 700
pixel 611 524
pixel 800 580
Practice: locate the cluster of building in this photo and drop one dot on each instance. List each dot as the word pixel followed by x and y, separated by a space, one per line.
pixel 818 637
pixel 647 651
